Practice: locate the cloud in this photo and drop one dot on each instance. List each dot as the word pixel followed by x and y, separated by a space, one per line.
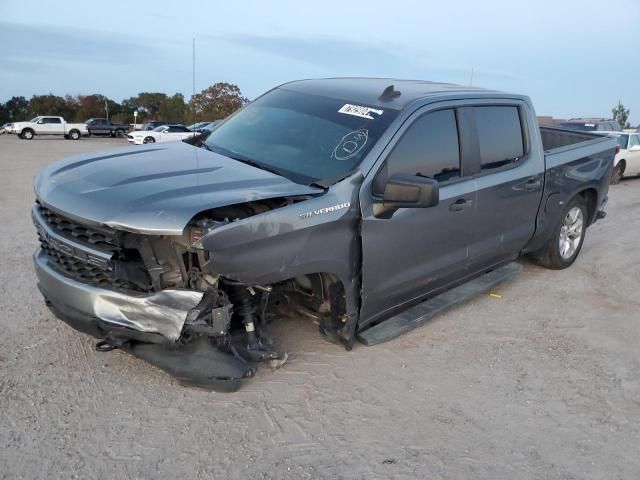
pixel 323 51
pixel 25 46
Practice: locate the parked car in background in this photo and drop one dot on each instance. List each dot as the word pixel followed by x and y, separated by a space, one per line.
pixel 627 161
pixel 103 126
pixel 153 124
pixel 6 128
pixel 49 125
pixel 200 127
pixel 592 125
pixel 164 133
pixel 348 198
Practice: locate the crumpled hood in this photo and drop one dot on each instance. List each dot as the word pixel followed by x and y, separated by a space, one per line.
pixel 155 189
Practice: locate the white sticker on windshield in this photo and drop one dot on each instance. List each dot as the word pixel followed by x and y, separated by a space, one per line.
pixel 350 144
pixel 359 111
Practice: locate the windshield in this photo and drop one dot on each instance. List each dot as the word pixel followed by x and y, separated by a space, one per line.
pixel 305 138
pixel 34 120
pixel 160 128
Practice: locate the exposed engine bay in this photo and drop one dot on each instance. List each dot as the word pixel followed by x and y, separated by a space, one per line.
pixel 161 298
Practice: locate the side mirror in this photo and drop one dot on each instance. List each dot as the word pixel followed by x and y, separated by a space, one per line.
pixel 408 191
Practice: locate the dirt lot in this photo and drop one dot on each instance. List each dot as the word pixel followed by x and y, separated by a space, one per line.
pixel 541 383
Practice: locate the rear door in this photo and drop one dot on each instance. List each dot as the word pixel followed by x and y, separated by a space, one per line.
pixel 633 155
pixel 510 179
pixel 417 250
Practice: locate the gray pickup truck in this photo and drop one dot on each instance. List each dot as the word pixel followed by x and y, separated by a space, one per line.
pixel 365 205
pixel 103 126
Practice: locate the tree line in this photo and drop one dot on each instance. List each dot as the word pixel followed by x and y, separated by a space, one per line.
pixel 212 103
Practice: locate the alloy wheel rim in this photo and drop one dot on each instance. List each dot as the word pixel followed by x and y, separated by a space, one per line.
pixel 571 233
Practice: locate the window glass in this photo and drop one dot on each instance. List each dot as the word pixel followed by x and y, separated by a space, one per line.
pixel 306 138
pixel 429 148
pixel 622 140
pixel 176 129
pixel 634 140
pixel 499 136
pixel 54 120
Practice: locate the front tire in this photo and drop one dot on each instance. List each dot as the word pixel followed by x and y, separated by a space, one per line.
pixel 149 140
pixel 27 134
pixel 74 135
pixel 567 238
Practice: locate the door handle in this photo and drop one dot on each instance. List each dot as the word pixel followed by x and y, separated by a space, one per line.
pixel 533 184
pixel 460 204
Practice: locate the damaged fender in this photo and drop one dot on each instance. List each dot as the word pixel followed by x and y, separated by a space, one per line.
pixel 320 235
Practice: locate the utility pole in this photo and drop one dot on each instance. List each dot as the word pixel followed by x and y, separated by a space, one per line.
pixel 106 107
pixel 193 50
pixel 471 79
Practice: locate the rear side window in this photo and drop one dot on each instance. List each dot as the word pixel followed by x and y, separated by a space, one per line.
pixel 499 136
pixel 428 148
pixel 634 140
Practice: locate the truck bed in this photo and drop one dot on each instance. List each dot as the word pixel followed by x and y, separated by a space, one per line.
pixel 561 145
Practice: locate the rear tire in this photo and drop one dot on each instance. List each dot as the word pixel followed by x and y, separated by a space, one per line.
pixel 618 172
pixel 567 237
pixel 120 133
pixel 27 134
pixel 74 135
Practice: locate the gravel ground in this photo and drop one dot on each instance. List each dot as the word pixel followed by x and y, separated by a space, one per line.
pixel 540 383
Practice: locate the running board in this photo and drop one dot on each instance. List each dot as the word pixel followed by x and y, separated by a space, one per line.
pixel 418 314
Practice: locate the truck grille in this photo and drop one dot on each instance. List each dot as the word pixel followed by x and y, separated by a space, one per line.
pixel 101 239
pixel 82 269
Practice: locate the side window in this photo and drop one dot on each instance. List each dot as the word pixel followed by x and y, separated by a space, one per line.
pixel 634 140
pixel 54 120
pixel 429 147
pixel 499 136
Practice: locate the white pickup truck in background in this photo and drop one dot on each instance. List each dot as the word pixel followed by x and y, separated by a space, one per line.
pixel 49 125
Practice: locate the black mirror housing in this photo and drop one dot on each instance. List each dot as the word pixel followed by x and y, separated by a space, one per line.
pixel 410 191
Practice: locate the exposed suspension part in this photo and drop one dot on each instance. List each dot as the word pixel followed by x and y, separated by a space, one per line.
pixel 258 347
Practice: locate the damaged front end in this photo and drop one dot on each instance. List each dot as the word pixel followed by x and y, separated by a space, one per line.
pixel 196 305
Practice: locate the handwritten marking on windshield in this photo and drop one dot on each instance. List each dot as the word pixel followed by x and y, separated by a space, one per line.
pixel 350 144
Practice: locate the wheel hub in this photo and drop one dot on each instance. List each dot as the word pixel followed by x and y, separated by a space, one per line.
pixel 571 233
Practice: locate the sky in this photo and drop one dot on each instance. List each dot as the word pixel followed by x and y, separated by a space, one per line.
pixel 572 57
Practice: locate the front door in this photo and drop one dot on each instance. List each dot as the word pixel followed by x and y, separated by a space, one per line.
pixel 417 250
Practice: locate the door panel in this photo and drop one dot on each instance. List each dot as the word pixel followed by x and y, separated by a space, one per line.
pixel 416 250
pixel 510 183
pixel 505 217
pixel 633 157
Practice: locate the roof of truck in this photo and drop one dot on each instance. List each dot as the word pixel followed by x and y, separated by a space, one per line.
pixel 369 90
